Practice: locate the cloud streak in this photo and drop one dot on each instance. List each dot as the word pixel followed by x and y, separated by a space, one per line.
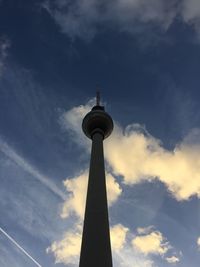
pixel 20 247
pixel 21 162
pixel 4 45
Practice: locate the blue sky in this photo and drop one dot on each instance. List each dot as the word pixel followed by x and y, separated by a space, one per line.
pixel 144 56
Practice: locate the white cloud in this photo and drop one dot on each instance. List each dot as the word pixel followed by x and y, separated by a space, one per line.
pixel 72 121
pixel 77 187
pixel 67 251
pixel 151 243
pixel 198 242
pixel 125 253
pixel 172 259
pixel 118 236
pixel 147 159
pixel 4 45
pixel 191 9
pixel 26 166
pixel 155 11
pixel 84 18
pixel 191 14
pixel 144 230
pixel 127 257
pixel 141 157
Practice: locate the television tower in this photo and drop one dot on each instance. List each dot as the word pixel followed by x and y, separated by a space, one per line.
pixel 95 248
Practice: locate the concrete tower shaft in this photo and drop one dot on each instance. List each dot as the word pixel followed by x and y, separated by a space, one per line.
pixel 96 248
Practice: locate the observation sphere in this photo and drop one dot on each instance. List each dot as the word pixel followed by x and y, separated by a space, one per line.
pixel 97 120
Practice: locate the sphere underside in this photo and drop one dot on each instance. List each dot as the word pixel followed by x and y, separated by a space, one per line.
pixel 97 121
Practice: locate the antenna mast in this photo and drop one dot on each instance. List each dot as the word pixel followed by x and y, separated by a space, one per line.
pixel 98 98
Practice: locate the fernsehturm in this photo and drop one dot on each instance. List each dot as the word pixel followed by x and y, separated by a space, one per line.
pixel 96 249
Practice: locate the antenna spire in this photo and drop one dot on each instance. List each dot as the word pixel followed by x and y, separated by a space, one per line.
pixel 98 98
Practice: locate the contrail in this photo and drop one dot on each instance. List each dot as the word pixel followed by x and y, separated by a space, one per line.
pixel 20 161
pixel 17 245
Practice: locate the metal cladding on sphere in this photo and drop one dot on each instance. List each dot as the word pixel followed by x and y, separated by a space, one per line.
pixel 97 120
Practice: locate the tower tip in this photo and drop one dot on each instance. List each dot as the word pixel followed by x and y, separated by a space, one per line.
pixel 98 98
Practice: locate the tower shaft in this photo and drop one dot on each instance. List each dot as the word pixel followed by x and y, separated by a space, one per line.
pixel 96 248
